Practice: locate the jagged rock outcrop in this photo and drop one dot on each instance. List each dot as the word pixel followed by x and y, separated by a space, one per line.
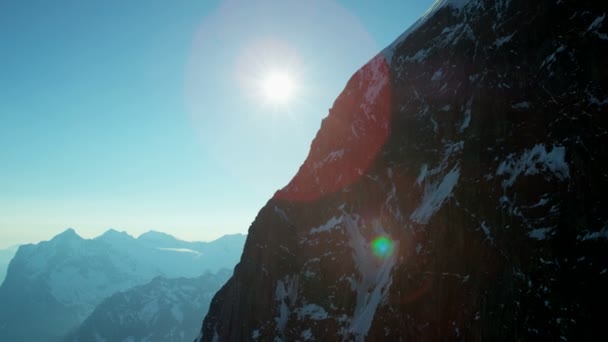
pixel 456 191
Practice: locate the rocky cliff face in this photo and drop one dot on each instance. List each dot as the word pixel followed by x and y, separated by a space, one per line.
pixel 455 191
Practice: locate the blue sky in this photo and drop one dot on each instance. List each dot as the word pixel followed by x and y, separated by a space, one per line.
pixel 142 115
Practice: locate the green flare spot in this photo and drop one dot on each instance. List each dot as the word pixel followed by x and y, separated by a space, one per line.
pixel 382 247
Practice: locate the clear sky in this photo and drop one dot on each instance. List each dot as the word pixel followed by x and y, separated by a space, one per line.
pixel 150 114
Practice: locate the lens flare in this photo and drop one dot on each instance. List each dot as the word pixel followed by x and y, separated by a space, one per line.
pixel 382 247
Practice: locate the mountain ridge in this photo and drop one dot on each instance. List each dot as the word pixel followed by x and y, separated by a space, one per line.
pixel 473 156
pixel 161 310
pixel 59 282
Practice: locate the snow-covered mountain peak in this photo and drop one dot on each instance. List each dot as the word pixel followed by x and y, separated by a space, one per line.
pixel 157 237
pixel 112 234
pixel 67 276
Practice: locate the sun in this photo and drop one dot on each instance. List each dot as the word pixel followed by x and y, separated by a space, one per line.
pixel 277 87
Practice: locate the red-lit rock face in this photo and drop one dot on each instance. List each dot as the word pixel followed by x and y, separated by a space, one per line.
pixel 478 152
pixel 350 137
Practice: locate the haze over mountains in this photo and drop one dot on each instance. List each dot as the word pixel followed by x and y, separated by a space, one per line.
pixel 53 286
pixel 5 258
pixel 456 191
pixel 161 310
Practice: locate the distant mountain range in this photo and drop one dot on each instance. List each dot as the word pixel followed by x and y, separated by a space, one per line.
pixel 162 310
pixel 52 287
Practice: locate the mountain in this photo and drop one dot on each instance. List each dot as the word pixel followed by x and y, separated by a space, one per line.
pixel 53 286
pixel 456 191
pixel 5 258
pixel 162 310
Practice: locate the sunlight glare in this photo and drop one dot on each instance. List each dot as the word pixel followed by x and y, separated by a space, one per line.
pixel 278 87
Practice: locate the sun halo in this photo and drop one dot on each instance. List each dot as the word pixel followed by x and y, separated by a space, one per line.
pixel 277 87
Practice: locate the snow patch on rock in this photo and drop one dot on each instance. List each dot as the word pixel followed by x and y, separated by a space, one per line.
pixel 502 40
pixel 378 79
pixel 334 155
pixel 327 226
pixel 374 279
pixel 435 194
pixel 595 25
pixel 438 185
pixel 540 233
pixel 521 105
pixel 486 230
pixel 424 171
pixel 602 234
pixel 437 75
pixel 313 311
pixel 534 161
pixel 371 284
pixel 307 335
pixel 286 294
pixel 552 57
pixel 467 116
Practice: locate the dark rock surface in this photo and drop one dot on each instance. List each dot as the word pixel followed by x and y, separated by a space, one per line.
pixel 475 145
